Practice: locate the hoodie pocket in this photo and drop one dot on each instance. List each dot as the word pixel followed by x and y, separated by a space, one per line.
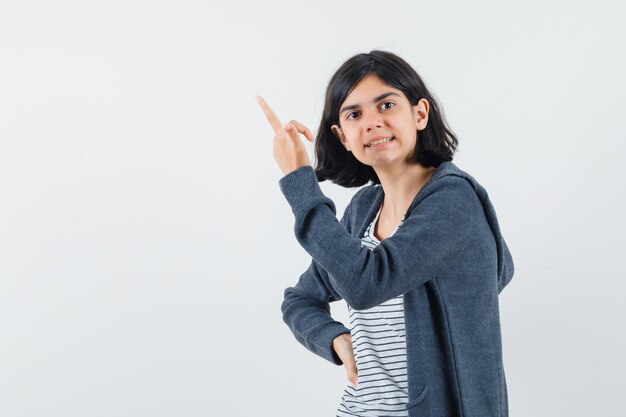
pixel 419 406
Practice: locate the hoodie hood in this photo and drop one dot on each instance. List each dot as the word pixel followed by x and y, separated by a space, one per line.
pixel 506 267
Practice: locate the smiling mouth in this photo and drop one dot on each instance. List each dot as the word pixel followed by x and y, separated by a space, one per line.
pixel 379 142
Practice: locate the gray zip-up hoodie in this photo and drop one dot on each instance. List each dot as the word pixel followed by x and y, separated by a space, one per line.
pixel 448 259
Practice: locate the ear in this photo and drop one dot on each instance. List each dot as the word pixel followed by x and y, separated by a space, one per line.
pixel 421 110
pixel 339 133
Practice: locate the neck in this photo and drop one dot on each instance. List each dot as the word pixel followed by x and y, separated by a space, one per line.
pixel 400 185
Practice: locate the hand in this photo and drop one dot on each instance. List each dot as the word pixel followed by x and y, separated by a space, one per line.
pixel 289 151
pixel 342 345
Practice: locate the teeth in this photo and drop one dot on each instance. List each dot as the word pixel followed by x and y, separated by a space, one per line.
pixel 379 141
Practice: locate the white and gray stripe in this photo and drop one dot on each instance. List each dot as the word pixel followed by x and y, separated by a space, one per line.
pixel 379 345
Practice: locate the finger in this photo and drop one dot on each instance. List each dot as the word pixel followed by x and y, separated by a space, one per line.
pixel 352 374
pixel 303 129
pixel 292 132
pixel 351 369
pixel 270 115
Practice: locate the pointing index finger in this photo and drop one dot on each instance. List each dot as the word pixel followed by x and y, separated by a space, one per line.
pixel 271 116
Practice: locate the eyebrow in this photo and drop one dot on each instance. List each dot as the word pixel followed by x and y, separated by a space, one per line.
pixel 356 106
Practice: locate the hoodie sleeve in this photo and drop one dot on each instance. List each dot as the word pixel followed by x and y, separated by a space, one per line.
pixel 440 226
pixel 306 312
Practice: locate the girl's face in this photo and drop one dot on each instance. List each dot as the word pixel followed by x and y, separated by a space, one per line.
pixel 375 110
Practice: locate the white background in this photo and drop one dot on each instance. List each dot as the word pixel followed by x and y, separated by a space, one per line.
pixel 145 244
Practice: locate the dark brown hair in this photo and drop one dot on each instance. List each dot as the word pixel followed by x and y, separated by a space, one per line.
pixel 435 144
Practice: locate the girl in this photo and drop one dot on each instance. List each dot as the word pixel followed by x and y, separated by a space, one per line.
pixel 418 255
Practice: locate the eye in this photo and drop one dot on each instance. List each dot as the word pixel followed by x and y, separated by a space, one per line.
pixel 350 114
pixel 390 103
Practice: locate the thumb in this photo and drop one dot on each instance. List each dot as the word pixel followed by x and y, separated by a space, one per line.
pixel 294 137
pixel 292 131
pixel 352 371
pixel 342 344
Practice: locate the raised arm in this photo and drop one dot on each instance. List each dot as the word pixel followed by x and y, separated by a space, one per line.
pixel 441 225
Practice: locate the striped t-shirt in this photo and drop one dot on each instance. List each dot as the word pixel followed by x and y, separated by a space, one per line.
pixel 379 346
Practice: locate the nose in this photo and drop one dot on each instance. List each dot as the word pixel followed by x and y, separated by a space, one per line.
pixel 371 120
